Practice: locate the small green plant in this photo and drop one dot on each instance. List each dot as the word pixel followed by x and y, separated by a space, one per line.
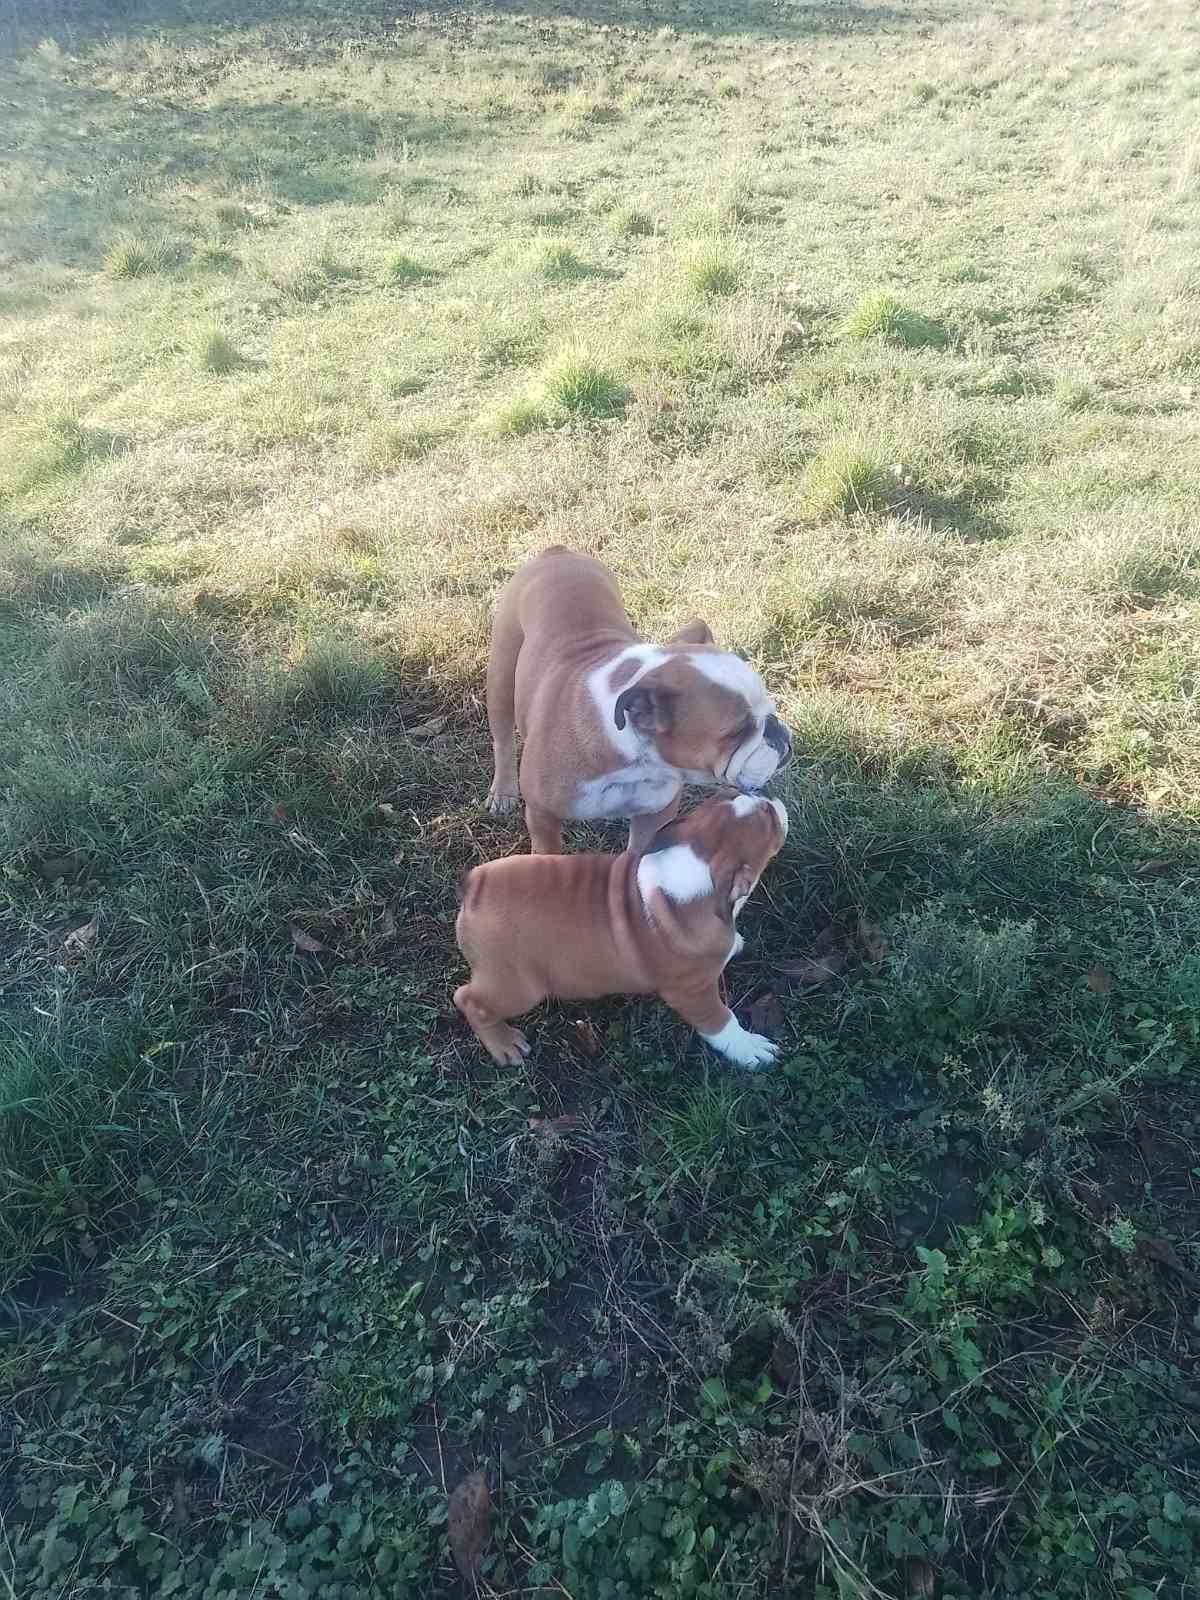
pixel 210 256
pixel 844 479
pixel 726 89
pixel 517 417
pixel 230 215
pixel 218 353
pixel 328 672
pixel 628 222
pixel 703 1127
pixel 712 269
pixel 402 271
pixel 948 978
pixel 1074 394
pixel 882 316
pixel 134 256
pixel 307 280
pixel 577 385
pixel 556 262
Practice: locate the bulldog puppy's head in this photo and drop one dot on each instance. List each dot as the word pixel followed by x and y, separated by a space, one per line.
pixel 720 850
pixel 705 712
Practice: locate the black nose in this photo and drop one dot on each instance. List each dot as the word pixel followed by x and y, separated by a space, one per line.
pixel 778 738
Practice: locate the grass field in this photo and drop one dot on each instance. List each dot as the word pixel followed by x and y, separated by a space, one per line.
pixel 871 332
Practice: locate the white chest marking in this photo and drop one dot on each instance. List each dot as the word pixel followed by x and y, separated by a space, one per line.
pixel 631 791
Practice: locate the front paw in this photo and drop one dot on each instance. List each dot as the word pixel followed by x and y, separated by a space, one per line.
pixel 744 1049
pixel 501 801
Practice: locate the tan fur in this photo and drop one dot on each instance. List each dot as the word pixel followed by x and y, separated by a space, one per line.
pixel 575 927
pixel 557 620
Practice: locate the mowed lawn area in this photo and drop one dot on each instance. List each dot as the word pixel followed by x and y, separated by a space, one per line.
pixel 870 332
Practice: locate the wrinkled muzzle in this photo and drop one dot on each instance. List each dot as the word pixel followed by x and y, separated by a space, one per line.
pixel 755 762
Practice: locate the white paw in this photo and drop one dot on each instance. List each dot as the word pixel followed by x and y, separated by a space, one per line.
pixel 501 801
pixel 744 1049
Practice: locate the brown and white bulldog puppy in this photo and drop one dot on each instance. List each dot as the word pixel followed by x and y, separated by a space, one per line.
pixel 582 926
pixel 612 726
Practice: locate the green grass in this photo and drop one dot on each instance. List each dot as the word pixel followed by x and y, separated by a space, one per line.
pixel 580 387
pixel 218 353
pixel 887 370
pixel 132 256
pixel 402 270
pixel 882 316
pixel 712 269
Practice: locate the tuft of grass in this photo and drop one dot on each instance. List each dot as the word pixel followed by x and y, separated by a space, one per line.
pixel 402 271
pixel 388 447
pixel 726 89
pixel 306 281
pixel 554 261
pixel 581 387
pixel 217 353
pixel 712 269
pixel 329 672
pixel 233 216
pixel 128 647
pixel 882 316
pixel 132 255
pixel 1073 393
pixel 844 479
pixel 213 257
pixel 702 1128
pixel 61 447
pixel 525 414
pixel 628 222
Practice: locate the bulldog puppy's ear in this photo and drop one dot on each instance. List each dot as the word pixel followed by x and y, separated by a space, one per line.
pixel 649 709
pixel 732 885
pixel 694 632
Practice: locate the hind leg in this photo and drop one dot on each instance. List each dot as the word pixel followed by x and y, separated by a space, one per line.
pixel 504 1043
pixel 507 638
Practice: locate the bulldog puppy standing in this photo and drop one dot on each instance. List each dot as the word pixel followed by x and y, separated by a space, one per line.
pixel 612 726
pixel 579 927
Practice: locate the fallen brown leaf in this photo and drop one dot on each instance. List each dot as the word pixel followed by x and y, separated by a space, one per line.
pixel 553 1127
pixel 82 938
pixel 88 1248
pixel 305 941
pixel 279 811
pixel 811 970
pixel 585 1036
pixel 766 1015
pixel 1099 979
pixel 1148 869
pixel 874 942
pixel 469 1524
pixel 427 730
pixel 385 928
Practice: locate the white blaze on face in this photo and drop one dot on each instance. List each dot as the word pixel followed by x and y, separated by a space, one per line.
pixel 744 804
pixel 754 761
pixel 678 871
